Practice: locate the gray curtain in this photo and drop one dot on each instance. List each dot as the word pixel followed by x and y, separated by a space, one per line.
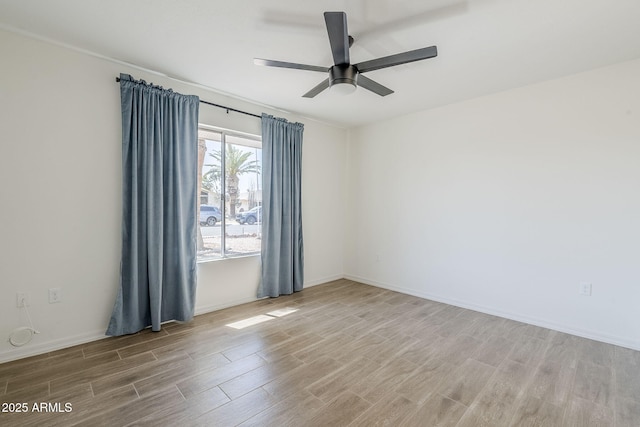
pixel 159 167
pixel 282 248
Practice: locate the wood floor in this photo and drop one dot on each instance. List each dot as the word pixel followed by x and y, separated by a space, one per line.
pixel 339 354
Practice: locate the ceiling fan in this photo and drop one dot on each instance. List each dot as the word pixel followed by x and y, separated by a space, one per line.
pixel 346 76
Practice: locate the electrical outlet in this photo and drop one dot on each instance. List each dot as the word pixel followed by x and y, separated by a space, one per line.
pixel 22 299
pixel 55 295
pixel 585 289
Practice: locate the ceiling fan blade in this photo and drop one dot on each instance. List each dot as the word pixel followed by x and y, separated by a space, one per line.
pixel 397 59
pixel 374 87
pixel 338 36
pixel 281 64
pixel 316 90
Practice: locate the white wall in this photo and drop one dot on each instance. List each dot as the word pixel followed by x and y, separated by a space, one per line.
pixel 506 203
pixel 503 204
pixel 60 182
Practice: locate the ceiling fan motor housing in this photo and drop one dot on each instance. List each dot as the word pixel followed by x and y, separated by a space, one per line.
pixel 343 73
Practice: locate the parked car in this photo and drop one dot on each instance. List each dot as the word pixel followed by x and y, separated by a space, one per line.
pixel 251 216
pixel 209 215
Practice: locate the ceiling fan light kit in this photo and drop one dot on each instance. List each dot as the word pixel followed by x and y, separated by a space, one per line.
pixel 345 77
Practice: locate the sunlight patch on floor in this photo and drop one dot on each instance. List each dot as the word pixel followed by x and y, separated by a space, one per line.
pixel 282 312
pixel 245 323
pixel 241 324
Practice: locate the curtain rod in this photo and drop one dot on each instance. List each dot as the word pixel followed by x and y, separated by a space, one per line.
pixel 230 109
pixel 221 106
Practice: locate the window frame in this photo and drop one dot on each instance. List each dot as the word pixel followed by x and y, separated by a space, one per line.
pixel 224 132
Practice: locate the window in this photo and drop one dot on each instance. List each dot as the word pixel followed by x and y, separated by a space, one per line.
pixel 230 195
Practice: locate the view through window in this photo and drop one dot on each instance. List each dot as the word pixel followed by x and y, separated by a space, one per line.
pixel 230 199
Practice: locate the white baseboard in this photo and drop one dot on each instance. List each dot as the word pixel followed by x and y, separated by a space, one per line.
pixel 619 341
pixel 216 307
pixel 37 349
pixel 46 347
pixel 323 280
pixel 209 308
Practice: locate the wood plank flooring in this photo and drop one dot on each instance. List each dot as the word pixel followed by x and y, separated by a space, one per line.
pixel 339 354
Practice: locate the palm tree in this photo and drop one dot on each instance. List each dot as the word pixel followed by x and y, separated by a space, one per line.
pixel 237 163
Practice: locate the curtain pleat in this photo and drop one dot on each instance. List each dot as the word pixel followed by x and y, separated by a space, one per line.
pixel 282 242
pixel 159 168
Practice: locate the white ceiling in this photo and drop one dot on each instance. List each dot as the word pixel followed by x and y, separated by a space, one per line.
pixel 484 46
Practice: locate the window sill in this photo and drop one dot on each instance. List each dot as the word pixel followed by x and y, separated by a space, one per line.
pixel 226 258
